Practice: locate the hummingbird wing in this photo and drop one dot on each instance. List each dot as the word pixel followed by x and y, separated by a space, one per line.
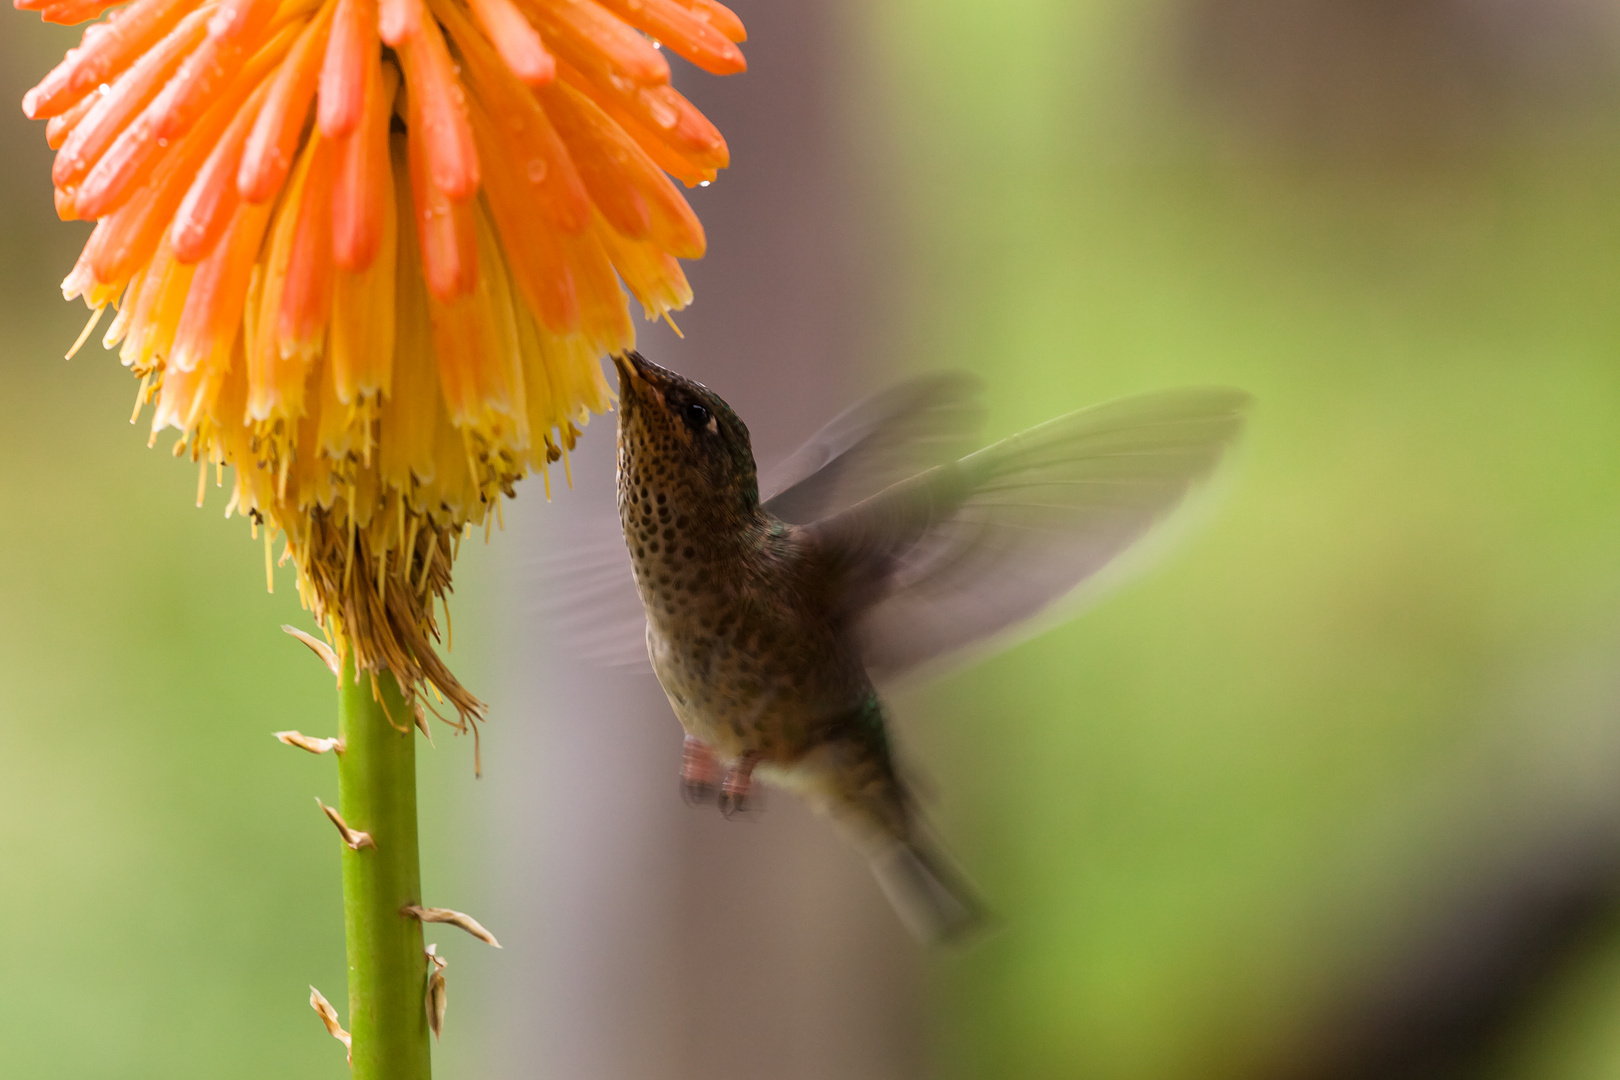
pixel 969 548
pixel 895 433
pixel 589 588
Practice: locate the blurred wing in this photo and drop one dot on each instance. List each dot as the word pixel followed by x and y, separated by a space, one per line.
pixel 970 548
pixel 589 592
pixel 896 433
pixel 588 585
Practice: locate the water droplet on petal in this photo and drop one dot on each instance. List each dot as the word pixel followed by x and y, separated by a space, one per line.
pixel 703 183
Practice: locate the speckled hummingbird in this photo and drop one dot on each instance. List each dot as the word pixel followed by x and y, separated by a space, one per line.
pixel 769 621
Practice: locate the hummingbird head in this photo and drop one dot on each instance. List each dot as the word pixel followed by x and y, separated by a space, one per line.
pixel 683 437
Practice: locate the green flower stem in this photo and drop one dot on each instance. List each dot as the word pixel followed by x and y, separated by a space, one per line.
pixel 387 968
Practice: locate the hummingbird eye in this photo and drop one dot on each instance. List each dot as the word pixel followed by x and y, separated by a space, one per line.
pixel 695 415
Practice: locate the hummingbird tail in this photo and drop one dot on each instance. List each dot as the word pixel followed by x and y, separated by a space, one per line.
pixel 929 895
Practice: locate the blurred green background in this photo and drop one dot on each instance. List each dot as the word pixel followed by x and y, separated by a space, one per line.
pixel 1207 810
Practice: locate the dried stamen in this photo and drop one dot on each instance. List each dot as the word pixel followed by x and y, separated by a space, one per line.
pixel 454 918
pixel 354 838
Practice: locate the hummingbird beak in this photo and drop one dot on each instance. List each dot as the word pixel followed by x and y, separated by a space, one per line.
pixel 634 380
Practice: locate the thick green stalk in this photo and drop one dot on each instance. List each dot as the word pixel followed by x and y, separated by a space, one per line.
pixel 387 968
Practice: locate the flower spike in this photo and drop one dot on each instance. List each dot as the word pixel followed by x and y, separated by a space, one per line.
pixel 370 254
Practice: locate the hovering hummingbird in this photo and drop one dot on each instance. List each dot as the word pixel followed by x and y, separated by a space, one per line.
pixel 768 622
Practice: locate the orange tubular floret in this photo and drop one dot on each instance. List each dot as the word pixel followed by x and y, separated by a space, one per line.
pixel 237 21
pixel 126 239
pixel 306 298
pixel 359 217
pixel 107 49
pixel 518 41
pixel 690 132
pixel 439 116
pixel 350 52
pixel 187 396
pixel 475 339
pixel 156 312
pixel 213 315
pixel 60 126
pixel 658 109
pixel 680 165
pixel 398 21
pixel 527 145
pixel 360 347
pixel 680 29
pixel 212 198
pixel 720 17
pixel 651 274
pixel 664 156
pixel 337 434
pixel 585 28
pixel 276 373
pixel 139 149
pixel 66 12
pixel 234 30
pixel 537 262
pixel 615 197
pixel 274 138
pixel 410 411
pixel 81 281
pixel 123 101
pixel 445 229
pixel 138 225
pixel 604 320
pixel 64 205
pixel 610 159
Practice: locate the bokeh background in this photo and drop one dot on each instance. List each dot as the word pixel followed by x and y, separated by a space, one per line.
pixel 1329 789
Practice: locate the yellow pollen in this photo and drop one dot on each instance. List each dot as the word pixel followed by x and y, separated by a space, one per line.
pixel 348 553
pixel 89 328
pixel 673 327
pixel 202 481
pixel 269 564
pixel 140 396
pixel 427 560
pixel 472 467
pixel 410 547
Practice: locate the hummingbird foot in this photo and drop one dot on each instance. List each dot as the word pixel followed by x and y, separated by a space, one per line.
pixel 700 774
pixel 739 783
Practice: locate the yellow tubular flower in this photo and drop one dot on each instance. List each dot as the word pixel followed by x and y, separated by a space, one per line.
pixel 369 253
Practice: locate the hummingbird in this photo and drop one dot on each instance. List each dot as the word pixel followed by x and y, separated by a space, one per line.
pixel 770 623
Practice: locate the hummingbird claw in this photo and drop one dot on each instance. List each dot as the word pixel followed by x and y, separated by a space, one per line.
pixel 738 784
pixel 697 792
pixel 700 774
